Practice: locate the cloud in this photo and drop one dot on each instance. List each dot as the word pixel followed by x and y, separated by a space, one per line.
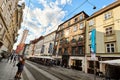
pixel 41 21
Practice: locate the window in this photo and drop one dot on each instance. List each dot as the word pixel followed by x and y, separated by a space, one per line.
pixel 61 27
pixel 73 50
pixel 69 23
pixel 81 17
pixel 81 37
pixel 81 25
pixel 43 47
pixel 91 22
pixel 50 50
pixel 110 47
pixel 89 35
pixel 107 15
pixel 61 41
pixel 75 28
pixel 60 51
pixel 0 27
pixel 109 31
pixel 65 51
pixel 76 19
pixel 75 37
pixel 3 6
pixel 62 33
pixel 80 49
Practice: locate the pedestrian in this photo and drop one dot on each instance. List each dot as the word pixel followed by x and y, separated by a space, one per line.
pixel 11 58
pixel 14 60
pixel 8 58
pixel 20 66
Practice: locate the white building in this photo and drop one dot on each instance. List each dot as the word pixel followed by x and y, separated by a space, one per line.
pixel 49 43
pixel 38 46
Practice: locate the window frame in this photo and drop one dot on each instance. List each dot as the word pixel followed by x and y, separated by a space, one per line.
pixel 75 28
pixel 107 15
pixel 109 31
pixel 81 26
pixel 81 17
pixel 1 26
pixel 91 22
pixel 110 47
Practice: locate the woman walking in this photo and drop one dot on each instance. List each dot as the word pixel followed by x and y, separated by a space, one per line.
pixel 20 66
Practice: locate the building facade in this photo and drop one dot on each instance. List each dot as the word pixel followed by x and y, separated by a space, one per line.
pixel 106 23
pixel 38 46
pixel 49 43
pixel 70 41
pixel 10 19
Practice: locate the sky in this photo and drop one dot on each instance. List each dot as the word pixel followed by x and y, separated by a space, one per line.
pixel 41 17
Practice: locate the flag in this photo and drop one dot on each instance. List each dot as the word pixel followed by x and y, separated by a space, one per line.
pixel 93 43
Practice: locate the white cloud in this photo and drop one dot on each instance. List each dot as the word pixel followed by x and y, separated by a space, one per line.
pixel 41 21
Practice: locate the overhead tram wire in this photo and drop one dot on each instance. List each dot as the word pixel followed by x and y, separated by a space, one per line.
pixel 72 11
pixel 75 9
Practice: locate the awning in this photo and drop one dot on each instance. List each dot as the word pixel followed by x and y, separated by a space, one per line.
pixel 44 57
pixel 115 62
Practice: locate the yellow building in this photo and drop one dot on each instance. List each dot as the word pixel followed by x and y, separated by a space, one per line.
pixel 70 41
pixel 106 22
pixel 10 20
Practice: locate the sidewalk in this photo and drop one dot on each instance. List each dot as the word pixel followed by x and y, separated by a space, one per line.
pixel 76 73
pixel 7 71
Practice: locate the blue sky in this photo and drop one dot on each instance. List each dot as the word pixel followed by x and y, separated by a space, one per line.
pixel 43 16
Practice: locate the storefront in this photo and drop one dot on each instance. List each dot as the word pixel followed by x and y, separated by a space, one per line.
pixel 77 62
pixel 112 69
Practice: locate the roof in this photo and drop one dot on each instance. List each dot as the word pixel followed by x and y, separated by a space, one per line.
pixel 86 15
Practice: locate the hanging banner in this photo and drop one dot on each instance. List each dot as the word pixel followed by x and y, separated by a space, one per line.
pixel 93 44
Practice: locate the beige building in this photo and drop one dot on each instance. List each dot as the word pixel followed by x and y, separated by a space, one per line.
pixel 70 41
pixel 106 22
pixel 10 20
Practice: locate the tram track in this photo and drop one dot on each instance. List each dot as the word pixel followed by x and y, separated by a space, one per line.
pixel 52 72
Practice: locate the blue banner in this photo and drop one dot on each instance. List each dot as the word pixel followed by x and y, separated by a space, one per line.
pixel 93 41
